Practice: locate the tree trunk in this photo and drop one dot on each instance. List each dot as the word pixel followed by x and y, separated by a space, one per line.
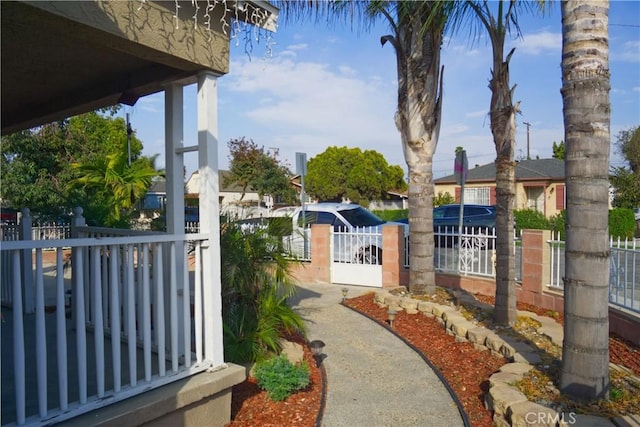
pixel 418 120
pixel 585 94
pixel 503 127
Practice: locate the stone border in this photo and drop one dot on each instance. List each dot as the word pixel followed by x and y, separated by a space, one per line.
pixel 509 405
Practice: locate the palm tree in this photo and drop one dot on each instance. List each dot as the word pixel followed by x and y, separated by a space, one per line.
pixel 416 35
pixel 256 283
pixel 585 95
pixel 123 183
pixel 503 127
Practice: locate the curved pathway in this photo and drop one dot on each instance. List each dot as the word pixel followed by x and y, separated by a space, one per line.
pixel 373 377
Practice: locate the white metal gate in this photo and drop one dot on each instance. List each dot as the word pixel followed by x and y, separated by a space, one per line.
pixel 356 256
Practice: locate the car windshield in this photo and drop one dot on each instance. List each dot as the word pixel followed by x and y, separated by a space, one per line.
pixel 360 217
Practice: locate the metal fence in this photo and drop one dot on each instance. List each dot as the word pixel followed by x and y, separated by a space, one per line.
pixel 624 291
pixel 475 255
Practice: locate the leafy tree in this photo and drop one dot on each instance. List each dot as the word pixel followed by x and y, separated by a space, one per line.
pixel 251 167
pixel 585 94
pixel 628 144
pixel 558 150
pixel 626 181
pixel 349 173
pixel 417 30
pixel 626 186
pixel 36 164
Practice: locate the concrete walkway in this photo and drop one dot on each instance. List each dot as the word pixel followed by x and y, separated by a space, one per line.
pixel 373 378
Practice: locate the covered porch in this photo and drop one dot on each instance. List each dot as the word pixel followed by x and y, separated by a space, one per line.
pixel 110 315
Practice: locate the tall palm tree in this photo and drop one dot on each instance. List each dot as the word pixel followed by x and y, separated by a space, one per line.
pixel 585 95
pixel 497 22
pixel 416 35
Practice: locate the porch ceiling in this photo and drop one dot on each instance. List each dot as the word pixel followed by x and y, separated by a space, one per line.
pixel 64 58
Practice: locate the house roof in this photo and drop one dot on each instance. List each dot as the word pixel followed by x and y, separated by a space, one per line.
pixel 526 170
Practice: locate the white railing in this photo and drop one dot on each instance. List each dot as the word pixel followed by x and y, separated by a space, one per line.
pixel 471 252
pixel 112 319
pixel 556 269
pixel 358 245
pixel 624 290
pixel 475 256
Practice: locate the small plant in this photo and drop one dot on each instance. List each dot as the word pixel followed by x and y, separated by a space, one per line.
pixel 281 378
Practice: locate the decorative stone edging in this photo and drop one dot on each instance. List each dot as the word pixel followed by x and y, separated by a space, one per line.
pixel 509 405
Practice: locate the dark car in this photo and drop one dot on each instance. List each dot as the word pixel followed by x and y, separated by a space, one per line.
pixel 446 220
pixel 473 216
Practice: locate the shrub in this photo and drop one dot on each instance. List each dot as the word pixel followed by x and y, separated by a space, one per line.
pixel 558 223
pixel 281 378
pixel 622 223
pixel 531 219
pixel 443 199
pixel 391 214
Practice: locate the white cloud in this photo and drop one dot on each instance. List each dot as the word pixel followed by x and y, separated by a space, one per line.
pixel 544 42
pixel 312 106
pixel 630 52
pixel 636 89
pixel 479 113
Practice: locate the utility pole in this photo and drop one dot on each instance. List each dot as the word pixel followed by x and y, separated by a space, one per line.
pixel 528 126
pixel 129 132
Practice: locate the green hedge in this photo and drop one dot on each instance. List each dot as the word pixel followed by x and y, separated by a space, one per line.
pixel 391 214
pixel 621 222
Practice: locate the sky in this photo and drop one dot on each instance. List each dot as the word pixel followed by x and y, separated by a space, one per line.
pixel 314 86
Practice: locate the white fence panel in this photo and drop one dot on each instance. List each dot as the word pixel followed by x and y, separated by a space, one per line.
pixel 357 256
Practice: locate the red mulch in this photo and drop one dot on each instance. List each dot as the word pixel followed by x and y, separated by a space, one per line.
pixel 465 369
pixel 251 407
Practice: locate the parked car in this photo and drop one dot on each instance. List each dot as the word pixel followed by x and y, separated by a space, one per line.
pixel 358 237
pixel 446 220
pixel 472 216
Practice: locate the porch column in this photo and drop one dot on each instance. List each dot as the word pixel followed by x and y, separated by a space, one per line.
pixel 210 215
pixel 174 169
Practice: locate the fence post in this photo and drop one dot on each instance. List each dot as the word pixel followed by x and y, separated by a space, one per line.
pixel 28 289
pixel 77 271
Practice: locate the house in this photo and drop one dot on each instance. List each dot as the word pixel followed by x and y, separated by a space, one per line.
pixel 232 203
pixel 142 343
pixel 539 185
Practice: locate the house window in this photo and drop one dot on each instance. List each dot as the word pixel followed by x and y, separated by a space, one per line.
pixel 477 195
pixel 535 198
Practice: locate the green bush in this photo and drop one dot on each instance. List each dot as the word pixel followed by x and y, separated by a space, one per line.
pixel 281 378
pixel 391 214
pixel 558 223
pixel 443 199
pixel 531 220
pixel 622 223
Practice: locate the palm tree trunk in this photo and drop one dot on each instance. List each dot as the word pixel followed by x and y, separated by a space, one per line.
pixel 585 93
pixel 503 126
pixel 418 120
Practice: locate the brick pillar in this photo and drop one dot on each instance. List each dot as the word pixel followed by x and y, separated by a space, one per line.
pixel 392 255
pixel 535 265
pixel 321 252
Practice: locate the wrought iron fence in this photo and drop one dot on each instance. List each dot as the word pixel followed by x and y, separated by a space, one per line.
pixel 624 290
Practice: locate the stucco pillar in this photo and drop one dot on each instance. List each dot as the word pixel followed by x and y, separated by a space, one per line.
pixel 207 105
